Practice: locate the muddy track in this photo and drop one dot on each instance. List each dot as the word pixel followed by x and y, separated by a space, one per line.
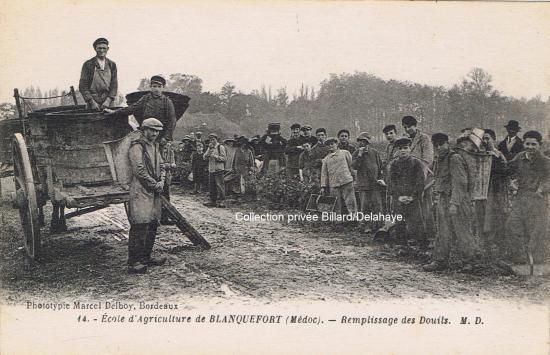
pixel 249 261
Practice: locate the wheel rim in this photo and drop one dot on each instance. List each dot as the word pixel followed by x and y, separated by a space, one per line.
pixel 28 206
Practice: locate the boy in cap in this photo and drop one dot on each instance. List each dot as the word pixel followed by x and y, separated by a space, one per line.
pixel 529 215
pixel 453 206
pixel 98 79
pixel 337 176
pixel 512 144
pixel 293 150
pixel 146 186
pixel 307 136
pixel 366 160
pixel 199 167
pixel 216 156
pixel 155 104
pixel 406 188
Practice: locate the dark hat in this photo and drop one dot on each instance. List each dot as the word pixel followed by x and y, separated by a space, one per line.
pixel 364 136
pixel 330 140
pixel 390 127
pixel 158 79
pixel 401 142
pixel 409 121
pixel 213 135
pixel 513 125
pixel 242 140
pixel 186 138
pixel 305 127
pixel 230 139
pixel 198 133
pixel 295 125
pixel 274 126
pixel 342 131
pixel 439 138
pixel 100 41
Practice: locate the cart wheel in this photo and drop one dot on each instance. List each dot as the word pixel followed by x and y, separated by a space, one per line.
pixel 25 196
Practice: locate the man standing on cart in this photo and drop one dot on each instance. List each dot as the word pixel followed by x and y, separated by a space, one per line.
pixel 98 78
pixel 156 104
pixel 146 186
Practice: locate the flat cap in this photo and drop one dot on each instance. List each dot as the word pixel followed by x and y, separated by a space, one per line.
pixel 409 121
pixel 214 135
pixel 306 127
pixel 158 79
pixel 364 136
pixel 152 123
pixel 295 125
pixel 439 138
pixel 401 142
pixel 100 41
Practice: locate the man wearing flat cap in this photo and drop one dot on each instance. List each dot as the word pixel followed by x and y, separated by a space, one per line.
pixel 453 206
pixel 512 144
pixel 293 150
pixel 366 160
pixel 307 136
pixel 98 78
pixel 146 186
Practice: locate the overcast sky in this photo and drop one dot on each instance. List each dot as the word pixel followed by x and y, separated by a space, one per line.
pixel 279 44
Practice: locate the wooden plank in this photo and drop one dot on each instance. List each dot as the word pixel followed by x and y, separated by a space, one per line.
pixel 184 226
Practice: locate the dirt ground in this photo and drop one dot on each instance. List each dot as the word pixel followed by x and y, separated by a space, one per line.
pixel 257 261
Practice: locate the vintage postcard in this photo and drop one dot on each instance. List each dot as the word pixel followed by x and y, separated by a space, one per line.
pixel 274 177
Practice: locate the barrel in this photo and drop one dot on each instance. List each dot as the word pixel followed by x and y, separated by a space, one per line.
pixel 70 142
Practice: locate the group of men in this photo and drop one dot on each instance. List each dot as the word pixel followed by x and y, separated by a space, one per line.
pixel 433 191
pixel 432 182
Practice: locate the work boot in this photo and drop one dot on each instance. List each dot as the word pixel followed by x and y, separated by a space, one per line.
pixel 434 266
pixel 154 261
pixel 137 268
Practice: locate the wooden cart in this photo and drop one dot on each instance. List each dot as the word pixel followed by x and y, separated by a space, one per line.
pixel 62 157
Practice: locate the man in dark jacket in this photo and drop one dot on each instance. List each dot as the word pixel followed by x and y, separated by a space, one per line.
pixel 512 144
pixel 98 78
pixel 366 160
pixel 293 150
pixel 273 147
pixel 406 186
pixel 453 206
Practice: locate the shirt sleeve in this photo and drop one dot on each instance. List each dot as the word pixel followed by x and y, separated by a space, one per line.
pixel 85 82
pixel 113 88
pixel 171 122
pixel 130 110
pixel 324 174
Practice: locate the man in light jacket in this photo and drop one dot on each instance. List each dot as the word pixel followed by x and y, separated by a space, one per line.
pixel 144 207
pixel 337 176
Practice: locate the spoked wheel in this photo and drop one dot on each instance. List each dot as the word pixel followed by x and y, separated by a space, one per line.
pixel 25 196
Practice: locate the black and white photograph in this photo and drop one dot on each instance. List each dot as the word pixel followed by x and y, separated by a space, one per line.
pixel 262 177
